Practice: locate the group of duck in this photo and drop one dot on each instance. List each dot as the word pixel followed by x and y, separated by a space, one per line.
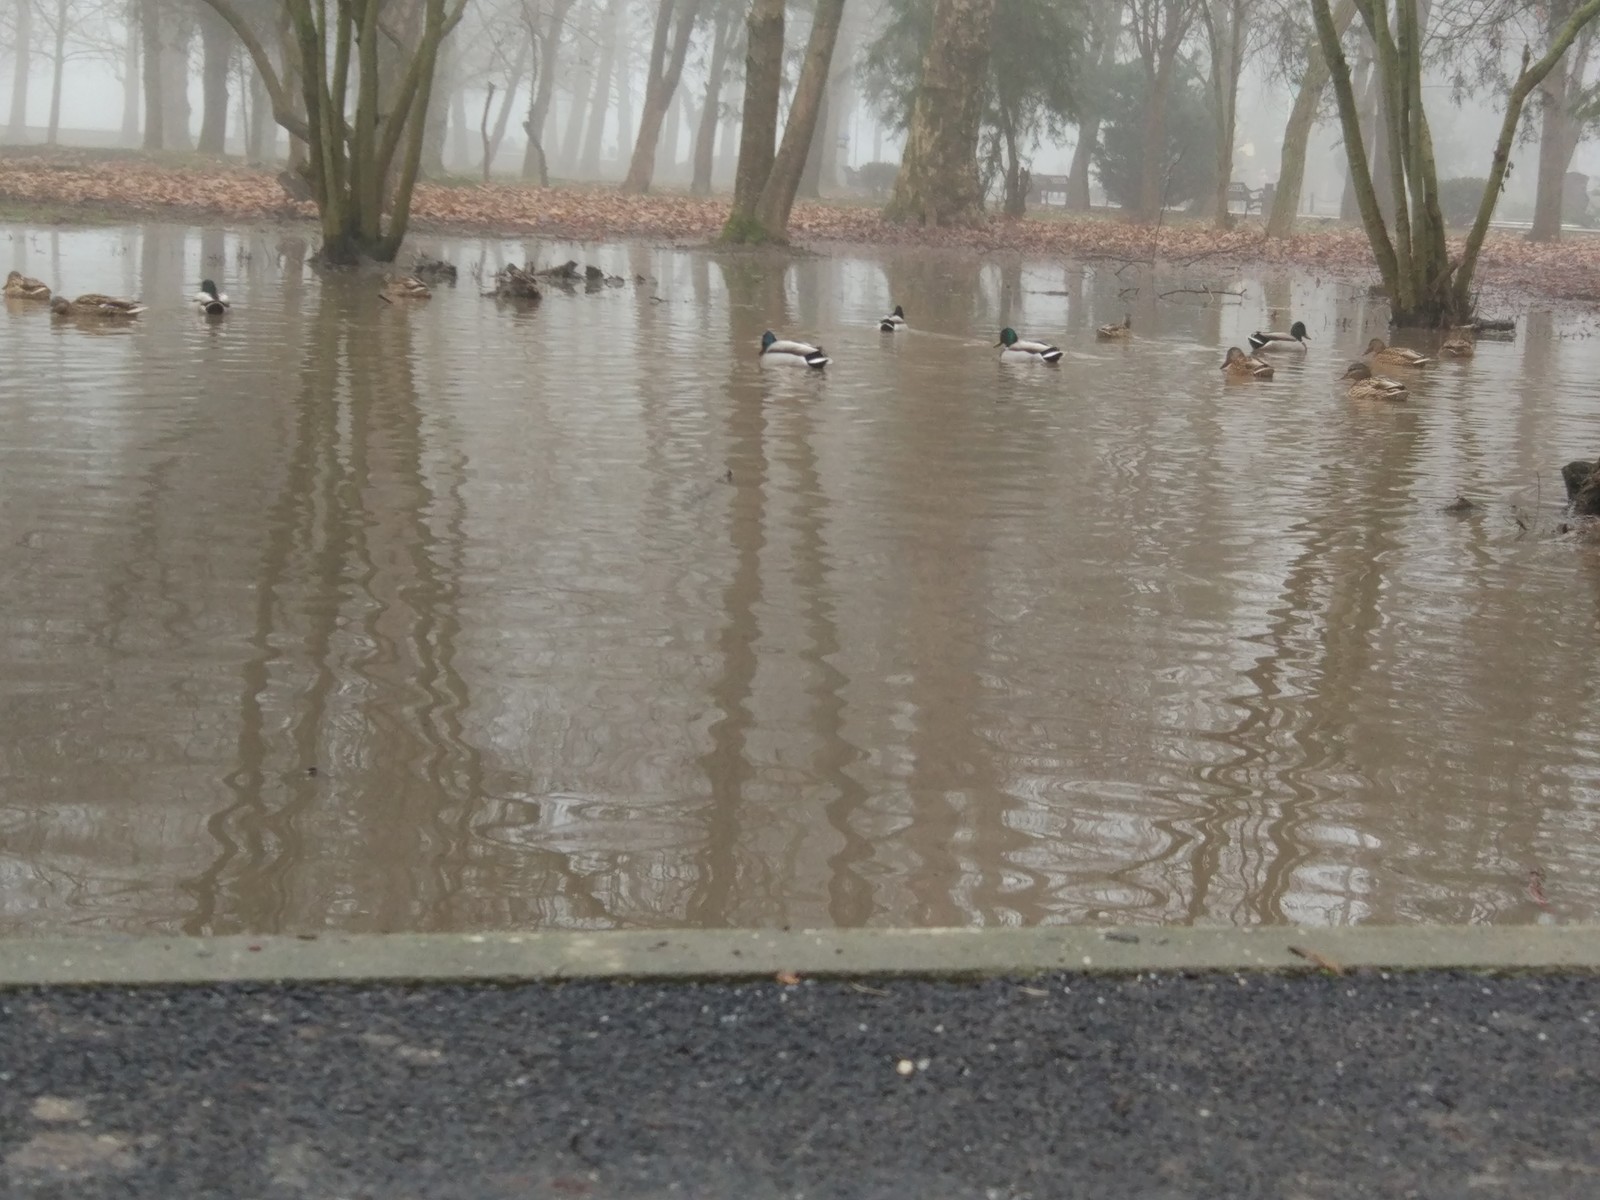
pixel 209 301
pixel 1236 364
pixel 18 286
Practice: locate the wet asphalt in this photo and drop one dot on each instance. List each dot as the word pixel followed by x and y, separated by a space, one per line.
pixel 1308 1086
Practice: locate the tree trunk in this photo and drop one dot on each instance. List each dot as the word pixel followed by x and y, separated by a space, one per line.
pixel 938 181
pixel 58 69
pixel 706 135
pixel 260 139
pixel 17 123
pixel 1297 132
pixel 130 75
pixel 594 130
pixel 665 71
pixel 1160 28
pixel 763 81
pixel 502 120
pixel 437 120
pixel 1016 196
pixel 811 173
pixel 582 80
pixel 1559 133
pixel 1153 152
pixel 1078 172
pixel 177 31
pixel 150 52
pixel 799 131
pixel 533 159
pixel 1225 21
pixel 1107 32
pixel 216 42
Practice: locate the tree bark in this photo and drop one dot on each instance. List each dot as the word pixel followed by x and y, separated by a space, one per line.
pixel 706 135
pixel 938 181
pixel 534 163
pixel 58 70
pixel 1225 21
pixel 437 120
pixel 502 120
pixel 1558 135
pixel 216 41
pixel 17 123
pixel 778 193
pixel 1297 132
pixel 594 130
pixel 150 52
pixel 665 71
pixel 763 80
pixel 177 32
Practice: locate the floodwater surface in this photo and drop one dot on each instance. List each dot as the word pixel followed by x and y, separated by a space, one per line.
pixel 452 616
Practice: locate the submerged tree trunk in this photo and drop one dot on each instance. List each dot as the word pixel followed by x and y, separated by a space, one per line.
pixel 666 68
pixel 216 42
pixel 705 136
pixel 938 181
pixel 778 193
pixel 758 138
pixel 1297 132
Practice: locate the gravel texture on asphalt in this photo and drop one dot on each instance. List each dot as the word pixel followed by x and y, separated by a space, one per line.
pixel 1283 1086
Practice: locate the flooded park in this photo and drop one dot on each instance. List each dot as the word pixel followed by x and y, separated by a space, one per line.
pixel 347 615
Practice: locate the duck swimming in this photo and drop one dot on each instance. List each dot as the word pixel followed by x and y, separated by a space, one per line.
pixel 894 322
pixel 1239 365
pixel 775 349
pixel 1297 335
pixel 22 287
pixel 404 287
pixel 1457 348
pixel 1017 349
pixel 1364 385
pixel 1399 356
pixel 92 304
pixel 1116 333
pixel 212 302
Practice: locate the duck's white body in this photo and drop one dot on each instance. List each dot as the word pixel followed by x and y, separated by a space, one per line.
pixel 1028 351
pixel 211 302
pixel 787 352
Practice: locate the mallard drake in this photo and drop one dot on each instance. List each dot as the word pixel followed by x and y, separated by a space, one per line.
pixel 1018 349
pixel 1398 356
pixel 775 349
pixel 1116 333
pixel 404 287
pixel 212 302
pixel 1266 341
pixel 1239 365
pixel 1457 348
pixel 92 304
pixel 21 287
pixel 894 322
pixel 1364 385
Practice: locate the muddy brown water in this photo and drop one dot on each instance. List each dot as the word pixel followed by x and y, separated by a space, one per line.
pixel 343 615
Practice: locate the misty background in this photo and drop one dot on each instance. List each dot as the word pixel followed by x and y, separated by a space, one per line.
pixel 79 84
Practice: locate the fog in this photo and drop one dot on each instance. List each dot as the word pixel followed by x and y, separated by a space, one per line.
pixel 485 49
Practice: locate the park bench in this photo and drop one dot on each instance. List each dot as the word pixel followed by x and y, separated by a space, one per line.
pixel 1245 196
pixel 1047 190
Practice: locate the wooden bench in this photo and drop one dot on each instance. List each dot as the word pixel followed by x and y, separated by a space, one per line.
pixel 1047 190
pixel 1245 196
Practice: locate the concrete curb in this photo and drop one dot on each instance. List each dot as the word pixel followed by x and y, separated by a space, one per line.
pixel 735 954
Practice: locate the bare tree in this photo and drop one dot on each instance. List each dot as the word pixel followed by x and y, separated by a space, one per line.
pixel 675 24
pixel 1159 30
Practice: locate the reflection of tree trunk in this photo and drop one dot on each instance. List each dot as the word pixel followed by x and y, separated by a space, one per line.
pixel 705 137
pixel 216 43
pixel 938 181
pixel 1297 132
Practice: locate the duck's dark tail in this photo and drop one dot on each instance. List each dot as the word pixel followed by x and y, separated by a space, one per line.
pixel 1051 355
pixel 1259 341
pixel 817 359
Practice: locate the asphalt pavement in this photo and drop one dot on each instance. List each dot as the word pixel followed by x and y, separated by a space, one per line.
pixel 1264 1084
